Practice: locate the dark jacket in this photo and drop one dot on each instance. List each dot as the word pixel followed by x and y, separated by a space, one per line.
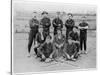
pixel 34 24
pixel 83 32
pixel 57 23
pixel 69 24
pixel 45 22
pixel 73 35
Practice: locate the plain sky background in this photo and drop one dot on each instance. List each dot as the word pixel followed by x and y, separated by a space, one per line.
pixel 5 38
pixel 25 5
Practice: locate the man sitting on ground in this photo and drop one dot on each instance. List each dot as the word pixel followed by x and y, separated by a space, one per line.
pixel 72 50
pixel 59 44
pixel 46 49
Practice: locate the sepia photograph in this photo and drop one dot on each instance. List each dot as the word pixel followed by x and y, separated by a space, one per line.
pixel 52 37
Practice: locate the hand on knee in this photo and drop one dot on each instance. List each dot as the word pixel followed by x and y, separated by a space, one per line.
pixel 50 56
pixel 68 57
pixel 43 57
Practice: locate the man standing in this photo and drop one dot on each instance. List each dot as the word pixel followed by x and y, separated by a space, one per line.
pixel 46 23
pixel 57 23
pixel 69 24
pixel 83 26
pixel 34 25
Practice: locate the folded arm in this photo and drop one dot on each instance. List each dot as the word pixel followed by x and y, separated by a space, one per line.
pixel 86 27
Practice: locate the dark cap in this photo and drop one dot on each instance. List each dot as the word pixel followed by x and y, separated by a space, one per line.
pixel 44 12
pixel 34 12
pixel 70 14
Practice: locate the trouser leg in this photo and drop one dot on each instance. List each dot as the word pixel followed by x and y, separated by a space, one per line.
pixel 34 36
pixel 77 50
pixel 55 54
pixel 66 55
pixel 30 41
pixel 55 31
pixel 85 44
pixel 67 33
pixel 81 44
pixel 38 51
pixel 77 47
pixel 35 50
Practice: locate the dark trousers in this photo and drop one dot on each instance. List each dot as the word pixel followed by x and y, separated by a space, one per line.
pixel 67 33
pixel 77 46
pixel 35 50
pixel 32 36
pixel 55 31
pixel 83 43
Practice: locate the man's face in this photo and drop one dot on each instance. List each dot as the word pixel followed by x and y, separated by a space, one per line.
pixel 34 15
pixel 69 16
pixel 59 32
pixel 69 41
pixel 58 15
pixel 44 15
pixel 74 29
pixel 83 19
pixel 48 40
pixel 40 30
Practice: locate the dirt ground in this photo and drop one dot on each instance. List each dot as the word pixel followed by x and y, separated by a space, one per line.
pixel 21 63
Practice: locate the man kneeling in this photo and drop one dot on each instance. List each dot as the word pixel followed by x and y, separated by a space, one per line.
pixel 72 50
pixel 46 50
